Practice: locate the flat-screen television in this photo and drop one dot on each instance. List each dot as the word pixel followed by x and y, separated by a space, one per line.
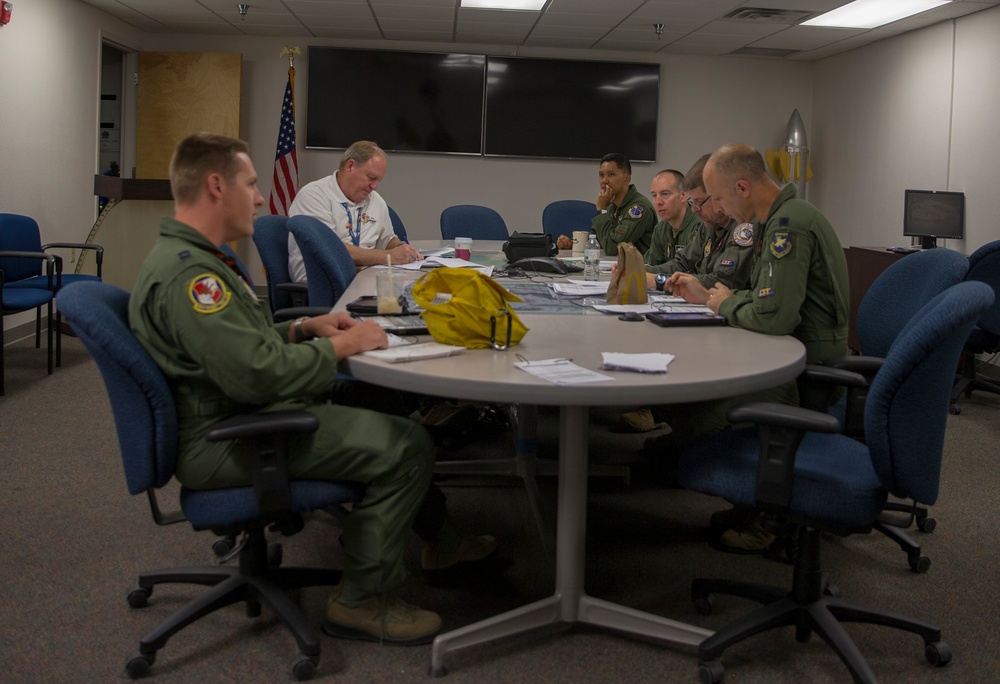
pixel 417 101
pixel 571 109
pixel 932 214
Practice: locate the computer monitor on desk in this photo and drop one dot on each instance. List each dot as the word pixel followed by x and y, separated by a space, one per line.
pixel 932 214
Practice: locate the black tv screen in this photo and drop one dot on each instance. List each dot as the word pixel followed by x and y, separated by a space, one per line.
pixel 571 109
pixel 931 214
pixel 419 101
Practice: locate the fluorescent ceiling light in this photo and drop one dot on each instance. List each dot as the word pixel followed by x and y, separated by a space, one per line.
pixel 867 14
pixel 534 5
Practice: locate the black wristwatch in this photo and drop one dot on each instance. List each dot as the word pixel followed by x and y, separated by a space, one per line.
pixel 661 280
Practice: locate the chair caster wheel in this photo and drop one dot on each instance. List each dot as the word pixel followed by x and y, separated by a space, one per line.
pixel 139 598
pixel 437 672
pixel 704 604
pixel 803 635
pixel 954 410
pixel 832 590
pixel 253 609
pixel 711 672
pixel 138 666
pixel 275 554
pixel 223 545
pixel 938 653
pixel 926 524
pixel 919 563
pixel 303 668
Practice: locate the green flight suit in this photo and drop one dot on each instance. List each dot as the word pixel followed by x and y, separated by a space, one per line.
pixel 798 287
pixel 632 222
pixel 666 244
pixel 214 341
pixel 715 255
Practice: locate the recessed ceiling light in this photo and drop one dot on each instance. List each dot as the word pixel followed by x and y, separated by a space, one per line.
pixel 867 14
pixel 533 5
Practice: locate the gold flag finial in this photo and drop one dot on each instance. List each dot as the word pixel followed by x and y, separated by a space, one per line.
pixel 291 51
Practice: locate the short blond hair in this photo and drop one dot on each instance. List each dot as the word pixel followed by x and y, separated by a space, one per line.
pixel 361 153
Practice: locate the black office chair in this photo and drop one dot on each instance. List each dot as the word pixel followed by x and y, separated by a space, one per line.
pixel 827 482
pixel 984 265
pixel 146 423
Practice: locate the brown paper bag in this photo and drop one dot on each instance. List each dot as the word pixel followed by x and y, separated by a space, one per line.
pixel 628 284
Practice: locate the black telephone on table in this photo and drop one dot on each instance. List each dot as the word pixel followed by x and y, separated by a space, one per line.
pixel 540 265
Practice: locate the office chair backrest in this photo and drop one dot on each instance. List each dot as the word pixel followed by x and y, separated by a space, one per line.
pixel 145 416
pixel 984 266
pixel 474 221
pixel 329 267
pixel 19 234
pixel 397 225
pixel 562 217
pixel 270 235
pixel 900 291
pixel 907 405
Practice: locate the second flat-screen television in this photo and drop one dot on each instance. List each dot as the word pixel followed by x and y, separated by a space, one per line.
pixel 474 104
pixel 417 101
pixel 933 214
pixel 571 109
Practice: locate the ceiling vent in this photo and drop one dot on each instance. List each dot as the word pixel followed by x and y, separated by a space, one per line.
pixel 764 52
pixel 768 15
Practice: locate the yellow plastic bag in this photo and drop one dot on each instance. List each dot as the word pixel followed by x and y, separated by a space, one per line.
pixel 466 308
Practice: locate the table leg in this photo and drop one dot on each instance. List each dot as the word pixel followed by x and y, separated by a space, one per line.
pixel 569 603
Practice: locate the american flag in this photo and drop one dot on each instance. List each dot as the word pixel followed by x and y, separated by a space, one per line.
pixel 286 165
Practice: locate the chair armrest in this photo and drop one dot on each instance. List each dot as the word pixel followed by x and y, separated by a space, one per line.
pixel 50 260
pixel 293 312
pixel 780 429
pixel 865 365
pixel 98 249
pixel 819 385
pixel 264 437
pixel 299 292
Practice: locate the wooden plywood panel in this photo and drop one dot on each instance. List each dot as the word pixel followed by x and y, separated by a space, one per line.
pixel 180 93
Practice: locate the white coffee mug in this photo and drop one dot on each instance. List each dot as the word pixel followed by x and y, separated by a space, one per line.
pixel 580 238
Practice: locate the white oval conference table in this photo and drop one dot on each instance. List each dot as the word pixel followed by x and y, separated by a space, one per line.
pixel 710 363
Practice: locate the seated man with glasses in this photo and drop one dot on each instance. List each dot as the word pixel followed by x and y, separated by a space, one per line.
pixel 720 249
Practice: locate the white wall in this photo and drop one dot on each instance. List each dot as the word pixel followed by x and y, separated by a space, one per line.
pixel 917 111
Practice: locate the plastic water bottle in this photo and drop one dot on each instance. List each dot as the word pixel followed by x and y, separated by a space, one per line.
pixel 592 259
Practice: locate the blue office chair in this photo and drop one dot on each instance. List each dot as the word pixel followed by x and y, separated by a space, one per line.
pixel 827 482
pixel 329 267
pixel 21 234
pixel 984 265
pixel 474 221
pixel 270 235
pixel 397 225
pixel 890 303
pixel 15 265
pixel 562 217
pixel 146 423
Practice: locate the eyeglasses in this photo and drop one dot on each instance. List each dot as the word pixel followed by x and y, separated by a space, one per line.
pixel 694 204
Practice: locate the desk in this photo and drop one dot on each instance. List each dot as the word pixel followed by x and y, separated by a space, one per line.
pixel 711 363
pixel 864 265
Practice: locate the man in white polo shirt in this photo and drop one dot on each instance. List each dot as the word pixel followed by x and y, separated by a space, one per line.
pixel 347 202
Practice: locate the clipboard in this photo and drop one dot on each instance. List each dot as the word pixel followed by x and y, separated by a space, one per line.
pixel 677 319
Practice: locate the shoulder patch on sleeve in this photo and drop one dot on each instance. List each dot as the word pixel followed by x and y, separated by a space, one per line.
pixel 208 294
pixel 635 211
pixel 781 244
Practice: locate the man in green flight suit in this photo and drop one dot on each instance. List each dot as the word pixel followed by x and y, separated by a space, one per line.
pixel 676 221
pixel 719 250
pixel 203 325
pixel 623 215
pixel 798 287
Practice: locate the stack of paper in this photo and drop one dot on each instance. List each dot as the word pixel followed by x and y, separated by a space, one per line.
pixel 579 288
pixel 414 352
pixel 640 363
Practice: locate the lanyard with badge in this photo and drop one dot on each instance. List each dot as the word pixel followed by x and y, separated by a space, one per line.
pixel 353 227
